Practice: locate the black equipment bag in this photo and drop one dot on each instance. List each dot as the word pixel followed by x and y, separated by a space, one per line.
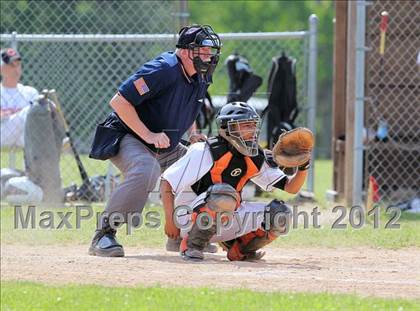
pixel 282 108
pixel 243 82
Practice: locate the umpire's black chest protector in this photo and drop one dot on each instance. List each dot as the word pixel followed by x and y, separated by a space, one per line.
pixel 230 166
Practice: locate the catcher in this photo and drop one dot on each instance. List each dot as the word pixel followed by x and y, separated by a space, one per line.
pixel 209 178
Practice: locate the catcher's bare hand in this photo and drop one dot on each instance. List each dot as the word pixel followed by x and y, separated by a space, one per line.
pixel 171 230
pixel 196 137
pixel 160 140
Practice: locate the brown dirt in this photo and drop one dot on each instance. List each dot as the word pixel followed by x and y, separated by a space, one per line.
pixel 362 271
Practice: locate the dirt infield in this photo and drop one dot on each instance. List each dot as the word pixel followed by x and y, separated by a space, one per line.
pixel 362 271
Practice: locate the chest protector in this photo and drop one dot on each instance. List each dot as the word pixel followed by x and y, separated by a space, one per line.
pixel 229 167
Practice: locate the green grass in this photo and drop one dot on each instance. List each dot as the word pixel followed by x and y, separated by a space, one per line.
pixel 408 235
pixel 68 167
pixel 140 237
pixel 31 296
pixel 322 182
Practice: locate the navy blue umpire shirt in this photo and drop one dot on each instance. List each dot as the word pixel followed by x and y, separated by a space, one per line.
pixel 166 100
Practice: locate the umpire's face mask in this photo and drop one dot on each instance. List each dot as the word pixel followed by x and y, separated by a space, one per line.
pixel 205 58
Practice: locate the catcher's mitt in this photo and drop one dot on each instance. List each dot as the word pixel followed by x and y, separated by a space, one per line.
pixel 294 147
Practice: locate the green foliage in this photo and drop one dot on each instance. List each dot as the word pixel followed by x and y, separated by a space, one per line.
pixel 68 166
pixel 32 296
pixel 408 235
pixel 74 16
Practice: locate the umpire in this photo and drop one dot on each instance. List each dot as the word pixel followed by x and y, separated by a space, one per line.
pixel 153 109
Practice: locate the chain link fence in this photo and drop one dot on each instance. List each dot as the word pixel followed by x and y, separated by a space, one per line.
pixel 86 17
pixel 260 53
pixel 392 108
pixel 85 69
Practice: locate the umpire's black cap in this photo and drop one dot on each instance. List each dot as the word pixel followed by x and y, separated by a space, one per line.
pixel 198 36
pixel 9 55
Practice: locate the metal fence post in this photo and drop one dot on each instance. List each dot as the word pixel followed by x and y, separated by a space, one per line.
pixel 13 42
pixel 312 83
pixel 359 103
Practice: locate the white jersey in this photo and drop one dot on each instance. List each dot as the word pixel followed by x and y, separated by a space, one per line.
pixel 15 99
pixel 15 103
pixel 197 162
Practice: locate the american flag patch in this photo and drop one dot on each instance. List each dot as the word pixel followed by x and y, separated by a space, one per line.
pixel 141 86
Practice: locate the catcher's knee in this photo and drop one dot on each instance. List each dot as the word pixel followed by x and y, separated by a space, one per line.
pixel 222 198
pixel 277 217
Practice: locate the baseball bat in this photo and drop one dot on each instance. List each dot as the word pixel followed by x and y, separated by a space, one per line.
pixel 383 28
pixel 52 94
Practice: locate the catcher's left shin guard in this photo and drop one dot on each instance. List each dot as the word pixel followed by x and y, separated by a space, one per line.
pixel 198 238
pixel 220 198
pixel 246 246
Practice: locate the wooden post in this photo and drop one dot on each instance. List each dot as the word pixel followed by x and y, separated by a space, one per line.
pixel 350 99
pixel 339 96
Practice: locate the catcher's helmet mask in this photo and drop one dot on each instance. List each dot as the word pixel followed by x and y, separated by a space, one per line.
pixel 195 37
pixel 239 124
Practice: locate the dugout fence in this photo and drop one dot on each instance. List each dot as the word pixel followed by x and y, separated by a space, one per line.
pixel 392 102
pixel 387 144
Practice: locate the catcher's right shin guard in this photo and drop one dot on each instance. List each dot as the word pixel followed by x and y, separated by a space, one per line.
pixel 246 246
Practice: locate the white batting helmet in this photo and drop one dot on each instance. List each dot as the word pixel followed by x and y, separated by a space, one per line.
pixel 20 190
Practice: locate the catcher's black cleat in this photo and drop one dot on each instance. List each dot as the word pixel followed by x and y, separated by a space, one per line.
pixel 105 244
pixel 254 256
pixel 192 255
pixel 172 245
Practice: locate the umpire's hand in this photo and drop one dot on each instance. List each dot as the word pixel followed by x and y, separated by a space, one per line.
pixel 160 140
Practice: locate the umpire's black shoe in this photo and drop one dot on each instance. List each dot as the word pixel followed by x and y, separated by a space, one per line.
pixel 105 244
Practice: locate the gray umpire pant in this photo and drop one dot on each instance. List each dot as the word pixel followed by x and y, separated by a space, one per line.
pixel 141 169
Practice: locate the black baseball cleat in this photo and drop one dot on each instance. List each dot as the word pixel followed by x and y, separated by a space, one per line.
pixel 105 244
pixel 254 256
pixel 172 245
pixel 191 254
